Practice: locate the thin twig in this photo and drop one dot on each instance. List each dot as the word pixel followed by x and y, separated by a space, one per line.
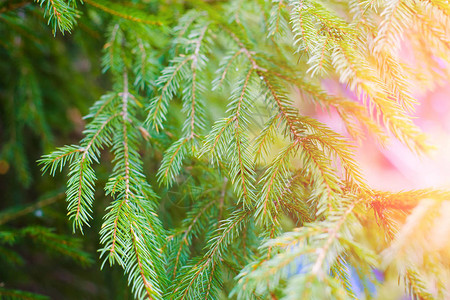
pixel 40 204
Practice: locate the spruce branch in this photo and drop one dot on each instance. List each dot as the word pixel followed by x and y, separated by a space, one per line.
pixel 396 16
pixel 189 232
pixel 61 14
pixel 274 184
pixel 198 236
pixel 6 216
pixel 126 12
pixel 171 77
pixel 21 295
pixel 277 21
pixel 172 161
pixel 131 234
pixel 191 283
pixel 311 243
pixel 317 267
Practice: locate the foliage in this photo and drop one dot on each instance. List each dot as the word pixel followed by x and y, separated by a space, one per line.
pixel 252 199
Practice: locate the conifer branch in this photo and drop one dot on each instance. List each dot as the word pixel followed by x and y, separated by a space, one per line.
pixel 277 173
pixel 158 106
pixel 128 13
pixel 242 169
pixel 415 287
pixel 148 287
pixel 194 68
pixel 6 217
pixel 225 234
pixel 229 61
pixel 390 28
pixel 276 21
pixel 126 177
pixel 125 135
pixel 84 174
pixel 297 18
pixel 61 15
pixel 405 200
pixel 284 167
pixel 333 234
pixel 266 135
pixel 187 231
pixel 373 90
pixel 172 160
